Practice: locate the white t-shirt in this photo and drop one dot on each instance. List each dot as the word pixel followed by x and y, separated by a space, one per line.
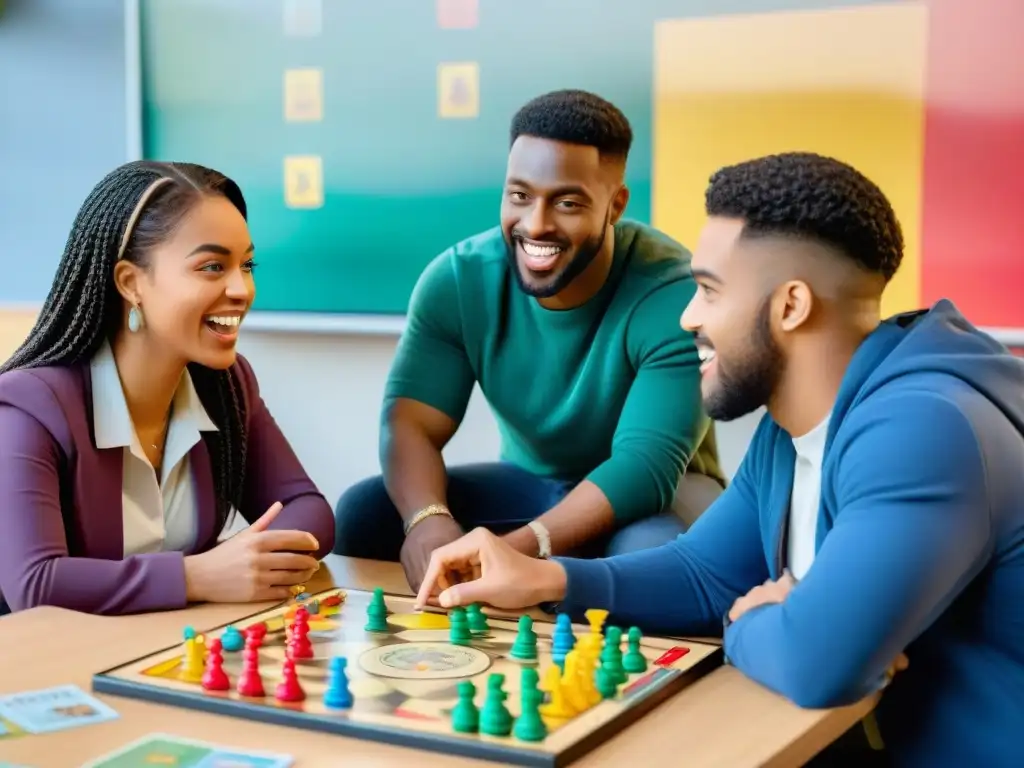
pixel 806 498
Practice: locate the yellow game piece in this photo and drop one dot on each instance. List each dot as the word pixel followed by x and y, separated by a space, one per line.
pixel 596 617
pixel 193 662
pixel 587 666
pixel 590 644
pixel 558 706
pixel 298 589
pixel 574 694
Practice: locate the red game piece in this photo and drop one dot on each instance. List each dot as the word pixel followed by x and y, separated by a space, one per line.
pixel 214 676
pixel 299 645
pixel 259 631
pixel 289 689
pixel 249 682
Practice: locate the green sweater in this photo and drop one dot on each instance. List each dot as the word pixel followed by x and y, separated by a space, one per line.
pixel 608 391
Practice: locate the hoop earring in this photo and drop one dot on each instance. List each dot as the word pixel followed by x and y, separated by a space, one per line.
pixel 135 320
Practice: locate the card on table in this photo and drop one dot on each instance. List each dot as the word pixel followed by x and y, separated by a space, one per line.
pixel 9 730
pixel 54 709
pixel 159 749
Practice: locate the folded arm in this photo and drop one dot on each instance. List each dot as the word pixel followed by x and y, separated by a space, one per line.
pixel 686 586
pixel 912 530
pixel 273 473
pixel 35 568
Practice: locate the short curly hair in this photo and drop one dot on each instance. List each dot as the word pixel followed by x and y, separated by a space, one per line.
pixel 575 117
pixel 803 194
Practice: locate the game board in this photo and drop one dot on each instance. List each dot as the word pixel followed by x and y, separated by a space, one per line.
pixel 367 665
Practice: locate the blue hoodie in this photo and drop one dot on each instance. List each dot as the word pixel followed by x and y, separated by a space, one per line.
pixel 920 549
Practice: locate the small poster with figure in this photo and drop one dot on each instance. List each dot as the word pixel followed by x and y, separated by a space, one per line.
pixel 458 14
pixel 303 95
pixel 303 18
pixel 458 90
pixel 303 181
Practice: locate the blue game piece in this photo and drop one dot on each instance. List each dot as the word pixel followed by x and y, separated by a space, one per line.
pixel 232 640
pixel 302 596
pixel 563 640
pixel 190 634
pixel 337 695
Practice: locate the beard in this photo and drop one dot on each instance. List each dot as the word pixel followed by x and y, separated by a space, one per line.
pixel 746 384
pixel 553 285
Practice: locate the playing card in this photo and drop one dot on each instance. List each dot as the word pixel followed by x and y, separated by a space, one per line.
pixel 165 749
pixel 54 709
pixel 9 730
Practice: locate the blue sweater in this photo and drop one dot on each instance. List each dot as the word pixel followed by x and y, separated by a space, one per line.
pixel 920 549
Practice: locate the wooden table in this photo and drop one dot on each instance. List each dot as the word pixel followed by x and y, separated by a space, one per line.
pixel 723 720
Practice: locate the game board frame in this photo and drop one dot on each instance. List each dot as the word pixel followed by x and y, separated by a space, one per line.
pixel 505 753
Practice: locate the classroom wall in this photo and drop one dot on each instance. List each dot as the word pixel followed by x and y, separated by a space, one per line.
pixel 62 126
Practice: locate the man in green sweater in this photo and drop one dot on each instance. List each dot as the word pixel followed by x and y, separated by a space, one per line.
pixel 567 316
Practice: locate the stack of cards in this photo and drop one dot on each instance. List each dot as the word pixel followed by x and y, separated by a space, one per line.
pixel 159 749
pixel 51 709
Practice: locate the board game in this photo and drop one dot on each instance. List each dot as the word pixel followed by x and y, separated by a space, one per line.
pixel 462 682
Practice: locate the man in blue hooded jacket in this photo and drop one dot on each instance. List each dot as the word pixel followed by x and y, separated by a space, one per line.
pixel 879 512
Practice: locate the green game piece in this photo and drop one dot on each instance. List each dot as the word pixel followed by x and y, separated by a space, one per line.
pixel 634 660
pixel 477 619
pixel 459 634
pixel 495 719
pixel 529 725
pixel 377 613
pixel 530 678
pixel 611 655
pixel 525 645
pixel 465 715
pixel 605 682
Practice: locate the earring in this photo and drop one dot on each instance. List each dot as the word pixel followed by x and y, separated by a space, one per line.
pixel 134 319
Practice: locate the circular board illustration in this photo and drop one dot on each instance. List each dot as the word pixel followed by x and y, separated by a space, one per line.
pixel 424 661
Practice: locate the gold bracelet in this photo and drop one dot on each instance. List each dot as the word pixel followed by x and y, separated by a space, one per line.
pixel 423 514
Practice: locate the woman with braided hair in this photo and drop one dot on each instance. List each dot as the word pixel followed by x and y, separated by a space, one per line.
pixel 130 428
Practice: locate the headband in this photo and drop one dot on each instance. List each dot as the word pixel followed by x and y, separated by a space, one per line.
pixel 139 206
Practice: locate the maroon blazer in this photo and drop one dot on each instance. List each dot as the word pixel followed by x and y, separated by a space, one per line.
pixel 60 499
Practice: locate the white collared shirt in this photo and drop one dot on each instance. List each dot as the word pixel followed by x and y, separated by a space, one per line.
pixel 806 498
pixel 159 513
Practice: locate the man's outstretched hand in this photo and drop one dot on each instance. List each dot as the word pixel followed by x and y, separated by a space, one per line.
pixel 482 568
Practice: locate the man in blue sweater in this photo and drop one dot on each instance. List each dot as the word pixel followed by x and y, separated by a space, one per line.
pixel 879 512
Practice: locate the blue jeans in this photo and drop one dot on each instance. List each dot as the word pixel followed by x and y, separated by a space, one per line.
pixel 497 496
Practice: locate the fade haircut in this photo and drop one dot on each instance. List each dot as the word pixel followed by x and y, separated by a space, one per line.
pixel 84 306
pixel 804 195
pixel 575 117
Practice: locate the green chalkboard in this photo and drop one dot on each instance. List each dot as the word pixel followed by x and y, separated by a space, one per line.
pixel 400 182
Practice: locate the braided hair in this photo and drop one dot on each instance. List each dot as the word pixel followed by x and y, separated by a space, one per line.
pixel 84 307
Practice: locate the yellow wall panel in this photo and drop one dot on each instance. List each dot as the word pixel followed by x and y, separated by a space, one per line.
pixel 14 328
pixel 847 82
